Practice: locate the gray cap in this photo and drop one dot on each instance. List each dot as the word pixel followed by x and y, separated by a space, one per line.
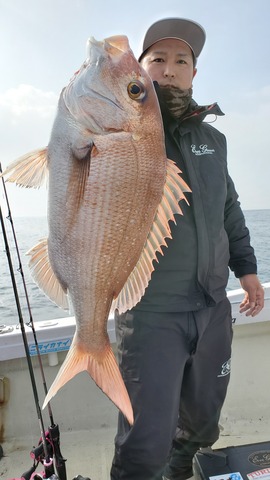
pixel 183 29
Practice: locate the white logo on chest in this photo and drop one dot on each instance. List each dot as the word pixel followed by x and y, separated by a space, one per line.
pixel 202 150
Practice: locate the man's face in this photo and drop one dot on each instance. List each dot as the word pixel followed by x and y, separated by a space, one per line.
pixel 170 63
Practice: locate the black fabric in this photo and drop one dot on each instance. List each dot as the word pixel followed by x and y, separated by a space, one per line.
pixel 162 356
pixel 174 351
pixel 179 462
pixel 211 236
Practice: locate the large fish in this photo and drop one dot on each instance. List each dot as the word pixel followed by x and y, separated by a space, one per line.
pixel 112 192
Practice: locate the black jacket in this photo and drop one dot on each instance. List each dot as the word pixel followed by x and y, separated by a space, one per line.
pixel 211 235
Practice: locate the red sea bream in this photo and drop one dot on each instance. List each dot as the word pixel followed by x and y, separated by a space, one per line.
pixel 112 192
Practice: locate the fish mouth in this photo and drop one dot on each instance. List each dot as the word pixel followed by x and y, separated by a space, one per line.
pixel 115 45
pixel 91 88
pixel 87 92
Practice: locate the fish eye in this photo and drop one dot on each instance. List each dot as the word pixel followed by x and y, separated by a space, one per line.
pixel 136 90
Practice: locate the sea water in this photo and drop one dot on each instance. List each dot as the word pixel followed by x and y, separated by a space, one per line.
pixel 30 230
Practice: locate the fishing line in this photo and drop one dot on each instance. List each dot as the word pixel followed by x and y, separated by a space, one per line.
pixel 28 358
pixel 31 322
pixel 53 429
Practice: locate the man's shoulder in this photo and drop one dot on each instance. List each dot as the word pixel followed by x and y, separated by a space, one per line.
pixel 203 117
pixel 208 127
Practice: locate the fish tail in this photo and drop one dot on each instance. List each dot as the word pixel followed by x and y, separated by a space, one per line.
pixel 103 368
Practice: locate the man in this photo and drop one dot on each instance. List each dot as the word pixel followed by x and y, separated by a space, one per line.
pixel 175 345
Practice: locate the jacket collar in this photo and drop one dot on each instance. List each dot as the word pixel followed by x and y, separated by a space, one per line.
pixel 198 113
pixel 194 115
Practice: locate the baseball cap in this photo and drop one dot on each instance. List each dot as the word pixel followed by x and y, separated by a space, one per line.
pixel 190 32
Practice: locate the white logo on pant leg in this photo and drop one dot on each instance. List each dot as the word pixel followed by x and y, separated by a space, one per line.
pixel 202 150
pixel 225 368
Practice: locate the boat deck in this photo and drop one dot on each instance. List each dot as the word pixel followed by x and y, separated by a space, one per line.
pixel 89 453
pixel 87 419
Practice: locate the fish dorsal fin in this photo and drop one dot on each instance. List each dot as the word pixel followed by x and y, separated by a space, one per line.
pixel 30 170
pixel 139 278
pixel 44 276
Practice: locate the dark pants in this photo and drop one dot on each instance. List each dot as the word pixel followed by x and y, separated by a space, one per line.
pixel 176 368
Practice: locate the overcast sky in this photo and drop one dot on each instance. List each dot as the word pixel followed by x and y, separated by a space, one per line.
pixel 42 42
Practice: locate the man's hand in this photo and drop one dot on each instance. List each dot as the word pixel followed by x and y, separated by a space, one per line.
pixel 254 297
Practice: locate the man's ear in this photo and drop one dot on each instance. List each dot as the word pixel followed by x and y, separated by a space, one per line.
pixel 194 72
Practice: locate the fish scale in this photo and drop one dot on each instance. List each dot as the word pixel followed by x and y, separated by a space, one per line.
pixel 112 193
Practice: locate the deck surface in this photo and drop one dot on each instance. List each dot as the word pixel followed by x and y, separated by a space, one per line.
pixel 88 453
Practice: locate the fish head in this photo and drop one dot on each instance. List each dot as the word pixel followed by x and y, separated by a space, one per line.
pixel 111 91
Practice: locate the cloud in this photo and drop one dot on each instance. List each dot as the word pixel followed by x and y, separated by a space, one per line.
pixel 26 99
pixel 26 118
pixel 27 113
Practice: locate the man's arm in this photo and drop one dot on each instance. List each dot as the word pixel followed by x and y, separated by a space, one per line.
pixel 242 258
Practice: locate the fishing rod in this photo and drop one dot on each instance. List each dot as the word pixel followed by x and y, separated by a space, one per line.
pixel 49 445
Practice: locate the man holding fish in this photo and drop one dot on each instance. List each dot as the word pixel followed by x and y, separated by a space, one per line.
pixel 175 344
pixel 113 193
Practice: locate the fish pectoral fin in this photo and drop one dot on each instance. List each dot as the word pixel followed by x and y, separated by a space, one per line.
pixel 140 276
pixel 82 150
pixel 30 170
pixel 102 367
pixel 44 275
pixel 82 154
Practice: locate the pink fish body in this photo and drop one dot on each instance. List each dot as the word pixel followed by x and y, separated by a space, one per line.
pixel 112 192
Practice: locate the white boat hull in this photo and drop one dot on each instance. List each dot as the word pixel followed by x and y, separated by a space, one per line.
pixel 87 419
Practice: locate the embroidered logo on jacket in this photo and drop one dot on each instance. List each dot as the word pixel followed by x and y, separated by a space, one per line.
pixel 202 150
pixel 225 368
